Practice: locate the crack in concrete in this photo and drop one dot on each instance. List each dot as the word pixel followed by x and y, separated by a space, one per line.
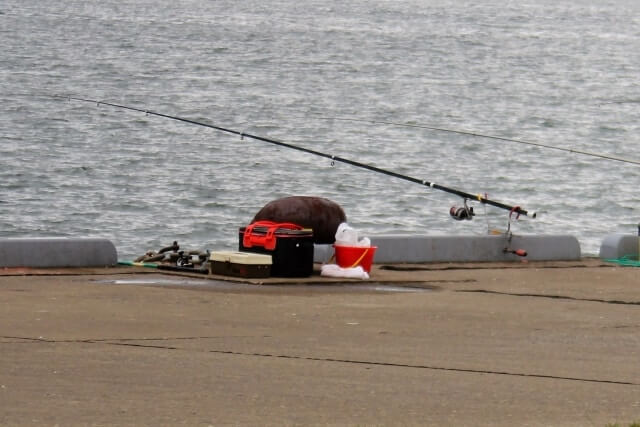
pixel 429 367
pixel 482 267
pixel 561 297
pixel 124 343
pixel 109 340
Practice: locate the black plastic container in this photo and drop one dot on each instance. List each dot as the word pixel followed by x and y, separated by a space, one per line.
pixel 290 247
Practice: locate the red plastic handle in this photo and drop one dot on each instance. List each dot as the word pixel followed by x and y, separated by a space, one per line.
pixel 268 240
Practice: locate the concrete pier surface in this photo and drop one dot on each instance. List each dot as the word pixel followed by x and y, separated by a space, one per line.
pixel 538 344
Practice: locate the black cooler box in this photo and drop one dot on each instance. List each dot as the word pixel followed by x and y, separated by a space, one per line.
pixel 290 246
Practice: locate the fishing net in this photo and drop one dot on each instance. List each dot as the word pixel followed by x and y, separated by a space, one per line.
pixel 626 260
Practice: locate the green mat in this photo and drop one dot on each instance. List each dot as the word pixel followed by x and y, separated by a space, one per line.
pixel 627 260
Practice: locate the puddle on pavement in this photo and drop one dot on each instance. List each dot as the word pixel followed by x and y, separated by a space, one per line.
pixel 175 282
pixel 224 285
pixel 171 282
pixel 395 288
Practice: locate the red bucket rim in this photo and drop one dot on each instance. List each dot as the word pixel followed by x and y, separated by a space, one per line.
pixel 364 260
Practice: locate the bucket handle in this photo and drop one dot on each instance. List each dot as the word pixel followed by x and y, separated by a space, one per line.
pixel 355 264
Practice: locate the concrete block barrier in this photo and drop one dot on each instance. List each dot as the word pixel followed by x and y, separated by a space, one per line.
pixel 618 245
pixel 398 248
pixel 57 252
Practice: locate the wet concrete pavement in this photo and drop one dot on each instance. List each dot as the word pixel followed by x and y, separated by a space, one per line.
pixel 475 344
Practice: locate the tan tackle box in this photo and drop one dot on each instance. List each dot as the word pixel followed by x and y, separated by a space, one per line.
pixel 240 264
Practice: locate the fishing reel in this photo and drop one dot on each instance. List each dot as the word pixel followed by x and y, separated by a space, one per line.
pixel 460 213
pixel 184 260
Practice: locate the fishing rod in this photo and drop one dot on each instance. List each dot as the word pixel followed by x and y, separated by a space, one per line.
pixel 465 213
pixel 469 133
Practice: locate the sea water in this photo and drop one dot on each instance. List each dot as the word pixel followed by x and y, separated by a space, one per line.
pixel 321 75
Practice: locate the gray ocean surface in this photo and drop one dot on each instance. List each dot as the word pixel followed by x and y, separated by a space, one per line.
pixel 316 74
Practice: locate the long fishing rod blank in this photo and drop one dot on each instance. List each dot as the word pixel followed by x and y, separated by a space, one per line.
pixel 465 196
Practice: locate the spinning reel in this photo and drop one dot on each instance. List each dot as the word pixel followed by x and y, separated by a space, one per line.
pixel 460 213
